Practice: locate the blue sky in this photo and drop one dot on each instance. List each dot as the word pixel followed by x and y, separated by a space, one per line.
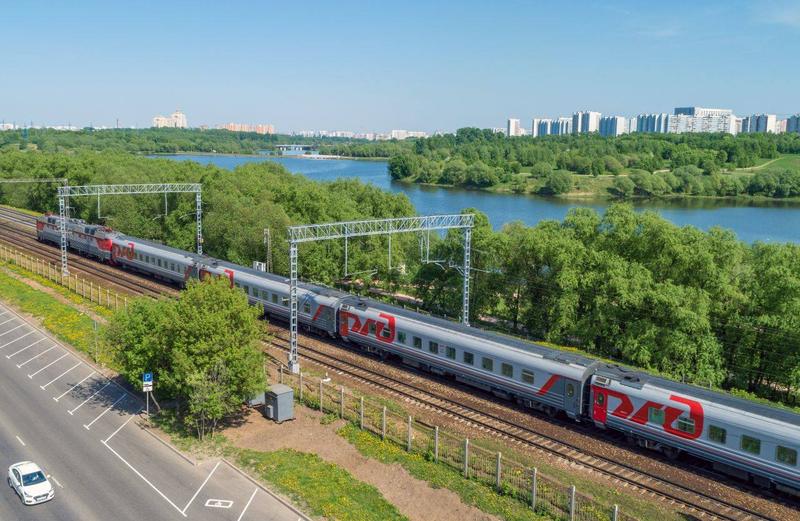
pixel 381 65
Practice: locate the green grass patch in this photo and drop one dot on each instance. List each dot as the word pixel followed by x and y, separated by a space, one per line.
pixel 61 320
pixel 439 476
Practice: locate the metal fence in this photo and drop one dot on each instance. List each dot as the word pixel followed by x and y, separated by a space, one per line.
pixel 52 272
pixel 545 495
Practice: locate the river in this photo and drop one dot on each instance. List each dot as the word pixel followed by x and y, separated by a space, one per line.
pixel 770 221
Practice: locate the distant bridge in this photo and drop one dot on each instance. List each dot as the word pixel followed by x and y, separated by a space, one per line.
pixel 284 148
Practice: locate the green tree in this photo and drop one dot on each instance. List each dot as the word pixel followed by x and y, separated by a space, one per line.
pixel 558 182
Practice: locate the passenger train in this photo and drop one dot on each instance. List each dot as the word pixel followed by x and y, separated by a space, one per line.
pixel 739 437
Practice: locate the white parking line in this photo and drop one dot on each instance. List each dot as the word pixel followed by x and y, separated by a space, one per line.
pixel 48 365
pixel 74 386
pixel 247 505
pixel 89 398
pixel 168 500
pixel 119 429
pixel 20 440
pixel 102 413
pixel 201 487
pixel 19 366
pixel 7 321
pixel 26 347
pixel 43 387
pixel 18 338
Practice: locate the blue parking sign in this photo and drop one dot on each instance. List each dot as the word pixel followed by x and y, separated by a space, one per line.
pixel 147 378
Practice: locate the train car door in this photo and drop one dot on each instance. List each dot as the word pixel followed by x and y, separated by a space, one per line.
pixel 572 398
pixel 599 406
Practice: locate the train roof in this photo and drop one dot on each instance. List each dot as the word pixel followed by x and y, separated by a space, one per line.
pixel 322 290
pixel 530 347
pixel 638 379
pixel 160 246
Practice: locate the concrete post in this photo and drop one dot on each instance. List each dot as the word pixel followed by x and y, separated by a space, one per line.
pixel 408 437
pixel 466 457
pixel 534 479
pixel 572 503
pixel 436 444
pixel 498 471
pixel 615 513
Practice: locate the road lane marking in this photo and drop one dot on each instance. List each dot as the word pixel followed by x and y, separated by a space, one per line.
pixel 89 398
pixel 74 386
pixel 219 503
pixel 119 429
pixel 20 440
pixel 247 505
pixel 26 347
pixel 105 411
pixel 201 487
pixel 43 387
pixel 168 500
pixel 18 338
pixel 20 366
pixel 55 480
pixel 48 365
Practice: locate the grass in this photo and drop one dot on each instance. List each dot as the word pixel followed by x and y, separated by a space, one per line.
pixel 320 488
pixel 63 321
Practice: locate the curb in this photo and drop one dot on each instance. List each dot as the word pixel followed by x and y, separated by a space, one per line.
pixel 165 443
pixel 260 485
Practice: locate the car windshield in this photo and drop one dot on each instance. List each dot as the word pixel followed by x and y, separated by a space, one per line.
pixel 33 478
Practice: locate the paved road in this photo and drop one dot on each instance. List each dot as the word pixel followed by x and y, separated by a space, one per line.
pixel 58 411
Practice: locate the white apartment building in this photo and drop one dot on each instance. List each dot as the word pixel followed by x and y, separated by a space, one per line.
pixel 585 122
pixel 681 123
pixel 764 123
pixel 561 127
pixel 613 126
pixel 702 112
pixel 651 123
pixel 175 120
pixel 540 127
pixel 513 128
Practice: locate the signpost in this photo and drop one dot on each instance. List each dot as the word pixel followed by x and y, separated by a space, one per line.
pixel 147 388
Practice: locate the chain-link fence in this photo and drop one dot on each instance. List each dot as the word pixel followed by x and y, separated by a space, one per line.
pixel 544 494
pixel 52 272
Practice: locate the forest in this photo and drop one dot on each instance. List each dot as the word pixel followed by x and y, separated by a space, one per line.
pixel 645 165
pixel 150 140
pixel 630 286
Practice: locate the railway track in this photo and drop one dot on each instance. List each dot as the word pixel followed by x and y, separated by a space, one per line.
pixel 21 235
pixel 691 501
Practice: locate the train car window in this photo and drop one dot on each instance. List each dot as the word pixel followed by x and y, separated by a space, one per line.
pixel 158 261
pixel 385 333
pixel 600 399
pixel 487 363
pixel 274 298
pixel 507 370
pixel 469 358
pixel 401 337
pixel 786 455
pixel 417 342
pixel 527 376
pixel 686 425
pixel 655 416
pixel 172 266
pixel 147 259
pixel 717 434
pixel 307 308
pixel 451 352
pixel 433 347
pixel 372 328
pixel 570 390
pixel 751 445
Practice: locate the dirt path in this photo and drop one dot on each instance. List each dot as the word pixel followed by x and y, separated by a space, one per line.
pixel 413 497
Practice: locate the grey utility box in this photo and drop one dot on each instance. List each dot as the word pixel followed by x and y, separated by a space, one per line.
pixel 279 403
pixel 256 400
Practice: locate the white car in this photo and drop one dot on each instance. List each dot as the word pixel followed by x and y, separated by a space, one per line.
pixel 30 483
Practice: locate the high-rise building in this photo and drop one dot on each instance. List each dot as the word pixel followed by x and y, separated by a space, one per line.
pixel 714 122
pixel 780 126
pixel 702 111
pixel 541 127
pixel 585 122
pixel 793 123
pixel 513 128
pixel 175 120
pixel 561 126
pixel 764 123
pixel 612 126
pixel 244 127
pixel 651 123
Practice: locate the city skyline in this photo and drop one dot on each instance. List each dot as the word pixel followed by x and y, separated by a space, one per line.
pixel 366 67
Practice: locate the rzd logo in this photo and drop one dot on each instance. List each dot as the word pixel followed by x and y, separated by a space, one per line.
pixel 352 323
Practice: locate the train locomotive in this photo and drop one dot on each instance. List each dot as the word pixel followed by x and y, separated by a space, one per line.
pixel 740 437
